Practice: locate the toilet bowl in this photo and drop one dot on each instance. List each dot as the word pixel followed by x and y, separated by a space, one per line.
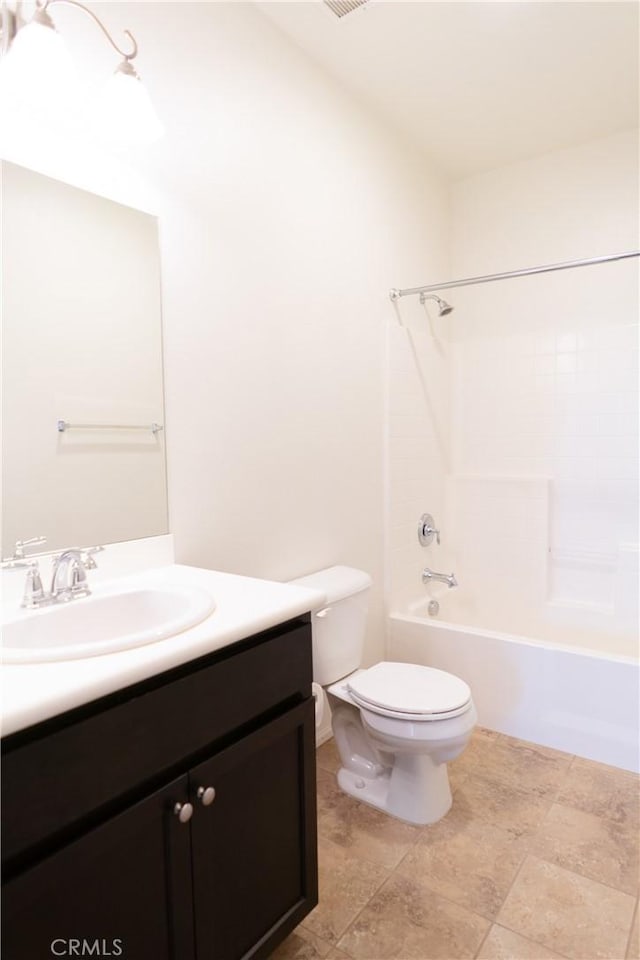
pixel 396 725
pixel 405 751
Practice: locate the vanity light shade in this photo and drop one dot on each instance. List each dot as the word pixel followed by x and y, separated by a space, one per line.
pixel 124 113
pixel 38 67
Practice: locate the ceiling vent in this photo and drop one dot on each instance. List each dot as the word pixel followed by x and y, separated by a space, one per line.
pixel 342 7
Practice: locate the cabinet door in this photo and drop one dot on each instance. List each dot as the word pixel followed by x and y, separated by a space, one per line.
pixel 254 846
pixel 125 884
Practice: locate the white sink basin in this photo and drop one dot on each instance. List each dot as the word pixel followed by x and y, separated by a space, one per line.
pixel 104 623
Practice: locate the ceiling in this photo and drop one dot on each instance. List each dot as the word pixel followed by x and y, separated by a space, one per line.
pixel 482 84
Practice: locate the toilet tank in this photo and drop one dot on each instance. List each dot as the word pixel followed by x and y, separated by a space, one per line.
pixel 339 627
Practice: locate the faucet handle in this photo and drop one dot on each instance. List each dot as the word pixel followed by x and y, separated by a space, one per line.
pixel 18 559
pixel 33 589
pixel 87 557
pixel 21 544
pixel 427 530
pixel 78 574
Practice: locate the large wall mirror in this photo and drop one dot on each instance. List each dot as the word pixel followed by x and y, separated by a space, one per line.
pixel 83 441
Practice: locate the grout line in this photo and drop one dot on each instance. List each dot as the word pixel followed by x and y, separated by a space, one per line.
pixel 482 943
pixel 435 893
pixel 551 800
pixel 534 943
pixel 621 824
pixel 603 883
pixel 511 886
pixel 501 923
pixel 361 910
pixel 627 951
pixel 362 859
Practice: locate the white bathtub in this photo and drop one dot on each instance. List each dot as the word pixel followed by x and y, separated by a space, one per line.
pixel 558 694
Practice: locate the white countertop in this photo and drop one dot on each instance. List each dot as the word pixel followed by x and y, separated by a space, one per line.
pixel 244 606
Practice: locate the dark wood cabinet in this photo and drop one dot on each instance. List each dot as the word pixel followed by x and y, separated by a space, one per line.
pixel 134 866
pixel 250 857
pixel 208 853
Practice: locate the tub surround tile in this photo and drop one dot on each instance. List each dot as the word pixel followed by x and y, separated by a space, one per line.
pixel 503 944
pixel 469 862
pixel 408 921
pixel 581 918
pixel 603 791
pixel 346 885
pixel 594 847
pixel 361 830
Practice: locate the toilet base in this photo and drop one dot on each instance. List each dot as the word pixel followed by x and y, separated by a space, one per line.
pixel 415 790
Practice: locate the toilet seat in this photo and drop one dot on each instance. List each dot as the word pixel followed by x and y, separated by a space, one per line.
pixel 407 691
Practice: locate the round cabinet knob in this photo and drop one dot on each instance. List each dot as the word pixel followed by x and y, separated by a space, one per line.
pixel 183 811
pixel 206 795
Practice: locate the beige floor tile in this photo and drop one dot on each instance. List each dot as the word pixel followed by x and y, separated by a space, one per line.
pixel 407 920
pixel 483 733
pixel 468 861
pixel 474 755
pixel 633 950
pixel 603 791
pixel 527 766
pixel 327 756
pixel 502 944
pixel 361 830
pixel 302 945
pixel 346 884
pixel 338 955
pixel 592 846
pixel 578 917
pixel 501 804
pixel 546 751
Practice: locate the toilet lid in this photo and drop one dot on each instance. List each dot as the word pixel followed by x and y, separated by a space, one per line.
pixel 409 690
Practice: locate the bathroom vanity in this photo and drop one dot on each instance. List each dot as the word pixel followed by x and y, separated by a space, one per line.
pixel 174 816
pixel 158 751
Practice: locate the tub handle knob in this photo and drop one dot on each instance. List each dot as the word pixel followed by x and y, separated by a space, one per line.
pixel 427 530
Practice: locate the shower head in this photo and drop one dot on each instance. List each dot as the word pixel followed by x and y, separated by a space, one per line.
pixel 443 307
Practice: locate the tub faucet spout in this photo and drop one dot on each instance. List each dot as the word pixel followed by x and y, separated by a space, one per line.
pixel 448 578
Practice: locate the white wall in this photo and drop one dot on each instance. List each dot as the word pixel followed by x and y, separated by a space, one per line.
pixel 543 490
pixel 287 212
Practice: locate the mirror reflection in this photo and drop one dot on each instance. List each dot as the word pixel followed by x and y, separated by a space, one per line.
pixel 83 446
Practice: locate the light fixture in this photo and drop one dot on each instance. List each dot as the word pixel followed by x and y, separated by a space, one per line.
pixel 36 63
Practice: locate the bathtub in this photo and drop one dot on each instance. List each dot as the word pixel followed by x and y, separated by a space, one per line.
pixel 552 691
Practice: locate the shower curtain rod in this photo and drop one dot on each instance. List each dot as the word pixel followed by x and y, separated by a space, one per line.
pixel 395 294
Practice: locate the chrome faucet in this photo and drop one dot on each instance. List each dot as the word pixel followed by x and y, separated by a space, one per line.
pixel 69 574
pixel 448 578
pixel 69 579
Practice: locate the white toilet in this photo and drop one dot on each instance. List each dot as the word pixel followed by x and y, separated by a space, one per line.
pixel 396 725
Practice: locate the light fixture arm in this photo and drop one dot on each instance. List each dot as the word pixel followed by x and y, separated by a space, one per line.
pixel 43 5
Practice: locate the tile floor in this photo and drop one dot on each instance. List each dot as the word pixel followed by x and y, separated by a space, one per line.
pixel 536 860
